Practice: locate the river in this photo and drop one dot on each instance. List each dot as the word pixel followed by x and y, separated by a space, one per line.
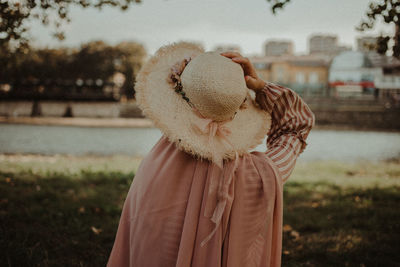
pixel 342 145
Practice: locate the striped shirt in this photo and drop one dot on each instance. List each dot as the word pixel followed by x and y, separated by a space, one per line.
pixel 291 122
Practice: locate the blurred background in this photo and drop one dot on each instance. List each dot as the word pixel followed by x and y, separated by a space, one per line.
pixel 72 136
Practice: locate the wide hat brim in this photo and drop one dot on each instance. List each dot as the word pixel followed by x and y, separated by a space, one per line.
pixel 174 117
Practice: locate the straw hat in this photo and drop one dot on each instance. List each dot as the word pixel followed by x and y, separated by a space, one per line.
pixel 200 101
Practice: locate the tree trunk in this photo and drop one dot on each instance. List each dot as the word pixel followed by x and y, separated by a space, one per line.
pixel 396 47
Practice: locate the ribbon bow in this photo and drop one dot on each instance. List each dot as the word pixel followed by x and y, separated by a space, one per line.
pixel 212 128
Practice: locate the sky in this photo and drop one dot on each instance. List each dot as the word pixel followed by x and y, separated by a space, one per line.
pixel 247 23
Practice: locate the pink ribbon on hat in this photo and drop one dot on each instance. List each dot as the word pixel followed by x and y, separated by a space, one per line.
pixel 212 128
pixel 222 194
pixel 207 126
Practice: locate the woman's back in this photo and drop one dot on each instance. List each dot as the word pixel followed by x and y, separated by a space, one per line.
pixel 175 199
pixel 168 209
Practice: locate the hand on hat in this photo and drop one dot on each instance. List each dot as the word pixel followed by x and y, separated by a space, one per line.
pixel 253 82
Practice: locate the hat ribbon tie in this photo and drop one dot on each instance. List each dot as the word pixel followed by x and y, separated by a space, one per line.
pixel 207 126
pixel 221 193
pixel 212 128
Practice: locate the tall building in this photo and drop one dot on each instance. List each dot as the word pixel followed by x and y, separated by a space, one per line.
pixel 326 44
pixel 323 44
pixel 278 48
pixel 366 43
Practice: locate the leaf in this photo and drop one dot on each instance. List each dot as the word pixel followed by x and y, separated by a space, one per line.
pixel 295 234
pixel 81 209
pixel 96 230
pixel 287 228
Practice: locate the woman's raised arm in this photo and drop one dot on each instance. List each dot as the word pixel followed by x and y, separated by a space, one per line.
pixel 292 121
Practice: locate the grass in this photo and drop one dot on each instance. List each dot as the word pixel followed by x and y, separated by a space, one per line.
pixel 326 225
pixel 59 220
pixel 64 211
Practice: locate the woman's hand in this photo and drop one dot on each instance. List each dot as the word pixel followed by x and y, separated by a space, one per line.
pixel 253 82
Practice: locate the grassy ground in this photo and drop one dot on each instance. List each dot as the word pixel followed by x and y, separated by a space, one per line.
pixel 64 211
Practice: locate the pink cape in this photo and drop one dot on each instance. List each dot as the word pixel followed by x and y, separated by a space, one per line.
pixel 167 213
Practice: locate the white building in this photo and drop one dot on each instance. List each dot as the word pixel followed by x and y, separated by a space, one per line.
pixel 326 44
pixel 278 48
pixel 323 43
pixel 352 72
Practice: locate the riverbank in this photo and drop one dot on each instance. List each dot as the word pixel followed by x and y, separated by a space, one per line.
pixel 64 211
pixel 80 122
pixel 139 123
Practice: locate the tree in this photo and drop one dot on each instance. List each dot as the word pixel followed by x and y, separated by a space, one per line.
pixel 94 60
pixel 130 56
pixel 61 70
pixel 14 14
pixel 388 10
pixel 277 4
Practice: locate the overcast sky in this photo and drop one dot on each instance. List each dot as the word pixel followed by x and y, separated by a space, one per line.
pixel 247 23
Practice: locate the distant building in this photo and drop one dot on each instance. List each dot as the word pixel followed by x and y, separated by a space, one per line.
pixel 307 75
pixel 366 74
pixel 226 48
pixel 353 73
pixel 366 43
pixel 326 44
pixel 388 84
pixel 278 48
pixel 323 43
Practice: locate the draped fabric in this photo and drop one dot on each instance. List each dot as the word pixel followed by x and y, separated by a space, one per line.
pixel 168 210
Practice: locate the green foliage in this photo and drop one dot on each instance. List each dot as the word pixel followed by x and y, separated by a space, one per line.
pixel 389 12
pixel 130 61
pixel 58 219
pixel 94 60
pixel 14 34
pixel 277 4
pixel 328 225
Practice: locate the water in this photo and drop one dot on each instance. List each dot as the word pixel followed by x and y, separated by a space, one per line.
pixel 322 144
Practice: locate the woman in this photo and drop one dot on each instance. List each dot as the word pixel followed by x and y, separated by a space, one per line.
pixel 189 206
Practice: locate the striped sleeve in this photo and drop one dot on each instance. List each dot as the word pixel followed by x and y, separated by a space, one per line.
pixel 291 123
